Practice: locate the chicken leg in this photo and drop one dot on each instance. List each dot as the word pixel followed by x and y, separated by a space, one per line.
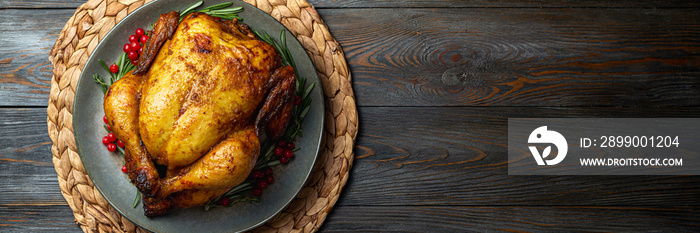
pixel 226 165
pixel 122 109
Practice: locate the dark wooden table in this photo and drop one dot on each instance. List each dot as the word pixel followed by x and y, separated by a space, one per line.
pixel 435 83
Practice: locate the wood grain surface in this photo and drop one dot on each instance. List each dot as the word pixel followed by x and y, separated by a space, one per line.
pixel 25 70
pixel 452 159
pixel 436 82
pixel 458 156
pixel 503 57
pixel 433 219
pixel 522 57
pixel 491 219
pixel 416 4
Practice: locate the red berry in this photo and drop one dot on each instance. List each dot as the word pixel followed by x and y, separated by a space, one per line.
pixel 278 151
pixel 268 171
pixel 290 145
pixel 143 39
pixel 141 51
pixel 113 68
pixel 224 201
pixel 109 128
pixel 111 137
pixel 288 154
pixel 105 140
pixel 124 168
pixel 258 174
pixel 270 179
pixel 262 184
pixel 140 32
pixel 133 38
pixel 284 160
pixel 104 118
pixel 111 147
pixel 135 46
pixel 257 192
pixel 297 100
pixel 282 143
pixel 127 48
pixel 132 55
pixel 120 144
pixel 133 62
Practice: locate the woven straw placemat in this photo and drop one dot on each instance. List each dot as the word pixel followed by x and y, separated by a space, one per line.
pixel 305 213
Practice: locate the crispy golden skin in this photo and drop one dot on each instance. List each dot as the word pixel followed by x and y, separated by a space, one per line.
pixel 197 111
pixel 162 31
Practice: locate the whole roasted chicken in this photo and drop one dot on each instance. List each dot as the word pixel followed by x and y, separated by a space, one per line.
pixel 191 115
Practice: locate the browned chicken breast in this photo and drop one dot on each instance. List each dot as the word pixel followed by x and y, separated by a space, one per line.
pixel 203 91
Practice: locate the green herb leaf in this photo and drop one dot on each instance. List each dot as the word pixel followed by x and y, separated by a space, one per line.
pixel 102 83
pixel 107 69
pixel 219 10
pixel 103 64
pixel 217 6
pixel 308 90
pixel 227 11
pixel 305 111
pixel 190 9
pixel 137 198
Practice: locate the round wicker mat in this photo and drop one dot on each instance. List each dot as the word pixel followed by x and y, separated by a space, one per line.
pixel 305 213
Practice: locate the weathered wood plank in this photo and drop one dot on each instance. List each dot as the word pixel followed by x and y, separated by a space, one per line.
pixel 37 218
pixel 40 4
pixel 458 156
pixel 515 4
pixel 27 175
pixel 426 160
pixel 449 156
pixel 428 219
pixel 25 70
pixel 521 57
pixel 459 57
pixel 510 219
pixel 409 3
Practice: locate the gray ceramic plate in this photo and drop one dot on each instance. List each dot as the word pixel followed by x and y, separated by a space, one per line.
pixel 103 167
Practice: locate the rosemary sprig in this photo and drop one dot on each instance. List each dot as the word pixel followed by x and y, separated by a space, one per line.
pixel 190 9
pixel 281 47
pixel 124 67
pixel 217 7
pixel 234 200
pixel 102 83
pixel 220 10
pixel 136 199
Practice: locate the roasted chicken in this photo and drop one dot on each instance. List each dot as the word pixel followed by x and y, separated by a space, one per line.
pixel 191 115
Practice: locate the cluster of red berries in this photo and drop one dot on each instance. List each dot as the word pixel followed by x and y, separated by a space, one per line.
pixel 284 150
pixel 111 141
pixel 224 201
pixel 135 46
pixel 262 178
